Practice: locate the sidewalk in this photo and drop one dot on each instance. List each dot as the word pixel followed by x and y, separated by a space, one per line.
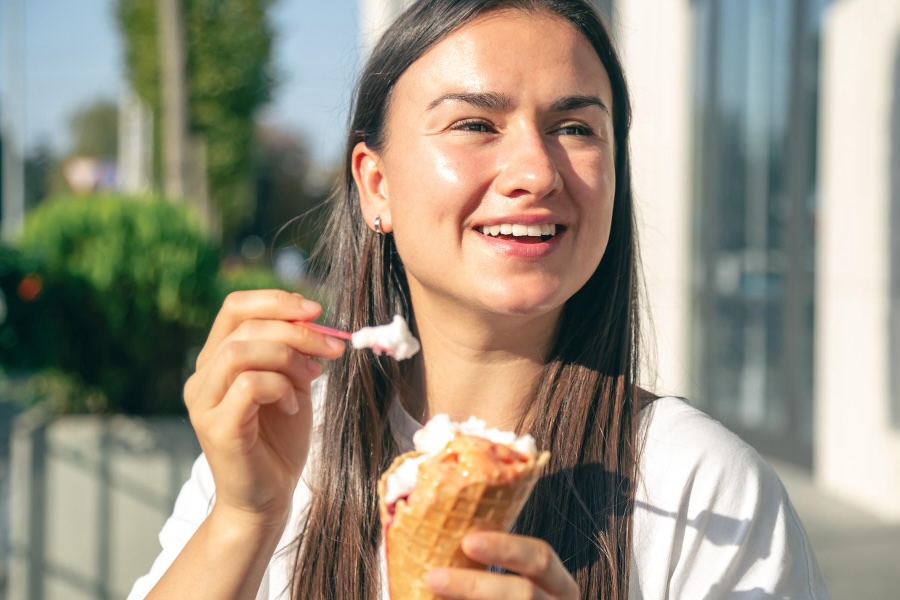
pixel 858 553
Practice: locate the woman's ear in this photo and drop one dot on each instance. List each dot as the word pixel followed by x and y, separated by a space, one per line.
pixel 372 185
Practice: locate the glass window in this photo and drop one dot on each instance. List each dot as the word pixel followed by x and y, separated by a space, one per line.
pixel 754 130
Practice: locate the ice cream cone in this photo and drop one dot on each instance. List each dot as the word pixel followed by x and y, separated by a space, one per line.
pixel 426 531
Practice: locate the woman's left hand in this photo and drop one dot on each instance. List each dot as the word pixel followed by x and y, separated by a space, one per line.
pixel 540 573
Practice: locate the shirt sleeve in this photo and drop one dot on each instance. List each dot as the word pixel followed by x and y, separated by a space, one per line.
pixel 194 503
pixel 191 508
pixel 713 521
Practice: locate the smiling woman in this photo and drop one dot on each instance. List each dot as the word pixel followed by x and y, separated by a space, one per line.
pixel 525 142
pixel 487 198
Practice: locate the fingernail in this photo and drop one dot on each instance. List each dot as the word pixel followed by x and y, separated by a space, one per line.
pixel 292 408
pixel 309 305
pixel 334 343
pixel 436 579
pixel 475 544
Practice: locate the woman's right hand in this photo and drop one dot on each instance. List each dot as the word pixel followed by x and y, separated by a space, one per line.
pixel 249 399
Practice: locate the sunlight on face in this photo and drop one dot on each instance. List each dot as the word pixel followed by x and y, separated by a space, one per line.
pixel 499 166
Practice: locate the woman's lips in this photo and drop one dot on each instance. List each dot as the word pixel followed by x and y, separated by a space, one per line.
pixel 524 246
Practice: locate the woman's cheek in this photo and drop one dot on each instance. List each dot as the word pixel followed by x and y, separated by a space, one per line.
pixel 447 169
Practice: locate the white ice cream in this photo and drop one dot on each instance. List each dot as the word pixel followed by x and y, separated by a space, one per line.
pixel 434 437
pixel 394 339
pixel 439 430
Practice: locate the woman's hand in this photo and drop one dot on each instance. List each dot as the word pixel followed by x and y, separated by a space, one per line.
pixel 540 572
pixel 249 400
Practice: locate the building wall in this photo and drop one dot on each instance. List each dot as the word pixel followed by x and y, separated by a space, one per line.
pixel 659 76
pixel 857 446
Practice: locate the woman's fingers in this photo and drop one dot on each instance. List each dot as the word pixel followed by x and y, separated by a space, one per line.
pixel 253 389
pixel 206 390
pixel 541 573
pixel 528 556
pixel 233 421
pixel 257 304
pixel 295 335
pixel 471 584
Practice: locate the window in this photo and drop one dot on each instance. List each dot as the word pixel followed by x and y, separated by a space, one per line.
pixel 755 69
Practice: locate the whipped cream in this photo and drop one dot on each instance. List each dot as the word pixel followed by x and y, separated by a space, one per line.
pixel 394 339
pixel 439 430
pixel 434 437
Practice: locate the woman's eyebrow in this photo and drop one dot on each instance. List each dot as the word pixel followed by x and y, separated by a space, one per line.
pixel 486 100
pixel 575 102
pixel 496 101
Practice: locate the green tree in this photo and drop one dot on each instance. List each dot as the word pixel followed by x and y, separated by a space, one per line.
pixel 94 129
pixel 229 45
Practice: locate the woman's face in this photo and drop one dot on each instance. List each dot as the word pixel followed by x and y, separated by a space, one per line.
pixel 497 176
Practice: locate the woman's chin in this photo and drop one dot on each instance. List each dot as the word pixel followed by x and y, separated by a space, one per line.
pixel 518 306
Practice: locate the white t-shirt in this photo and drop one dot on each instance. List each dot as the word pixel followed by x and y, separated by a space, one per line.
pixel 711 521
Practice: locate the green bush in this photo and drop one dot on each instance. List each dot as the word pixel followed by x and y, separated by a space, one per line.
pixel 21 293
pixel 241 278
pixel 58 391
pixel 129 289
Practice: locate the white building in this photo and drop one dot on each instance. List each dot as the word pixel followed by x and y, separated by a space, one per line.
pixel 766 148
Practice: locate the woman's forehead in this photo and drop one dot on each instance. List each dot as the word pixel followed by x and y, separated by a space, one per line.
pixel 499 51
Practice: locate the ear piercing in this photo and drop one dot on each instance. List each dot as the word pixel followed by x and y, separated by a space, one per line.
pixel 378 226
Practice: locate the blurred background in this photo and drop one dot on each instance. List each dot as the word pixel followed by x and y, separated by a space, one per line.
pixel 158 154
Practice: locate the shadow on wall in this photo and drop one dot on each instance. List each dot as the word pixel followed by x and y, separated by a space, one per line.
pixel 894 241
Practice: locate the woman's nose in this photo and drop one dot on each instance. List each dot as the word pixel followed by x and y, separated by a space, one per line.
pixel 528 167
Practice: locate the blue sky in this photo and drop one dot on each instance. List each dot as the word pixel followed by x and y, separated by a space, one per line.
pixel 73 55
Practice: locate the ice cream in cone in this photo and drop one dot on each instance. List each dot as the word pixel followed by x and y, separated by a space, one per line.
pixel 461 477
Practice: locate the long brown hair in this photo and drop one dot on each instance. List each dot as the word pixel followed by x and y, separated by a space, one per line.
pixel 584 410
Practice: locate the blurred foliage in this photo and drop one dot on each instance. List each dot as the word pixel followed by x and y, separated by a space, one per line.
pixel 21 288
pixel 59 391
pixel 42 175
pixel 241 278
pixel 228 45
pixel 121 292
pixel 237 279
pixel 105 301
pixel 95 129
pixel 286 202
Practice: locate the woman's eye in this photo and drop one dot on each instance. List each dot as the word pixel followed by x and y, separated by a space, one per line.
pixel 574 129
pixel 473 126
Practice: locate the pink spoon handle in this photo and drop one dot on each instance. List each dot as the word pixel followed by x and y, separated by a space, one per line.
pixel 342 335
pixel 326 330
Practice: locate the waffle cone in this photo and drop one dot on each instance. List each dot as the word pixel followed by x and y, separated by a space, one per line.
pixel 427 533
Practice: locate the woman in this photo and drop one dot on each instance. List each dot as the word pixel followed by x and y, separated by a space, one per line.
pixel 487 198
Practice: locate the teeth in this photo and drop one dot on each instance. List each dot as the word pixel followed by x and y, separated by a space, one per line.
pixel 519 230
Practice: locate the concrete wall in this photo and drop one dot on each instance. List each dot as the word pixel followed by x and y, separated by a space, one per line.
pixel 857 451
pixel 88 498
pixel 654 38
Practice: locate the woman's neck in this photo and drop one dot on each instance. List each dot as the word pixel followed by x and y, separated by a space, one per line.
pixel 482 366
